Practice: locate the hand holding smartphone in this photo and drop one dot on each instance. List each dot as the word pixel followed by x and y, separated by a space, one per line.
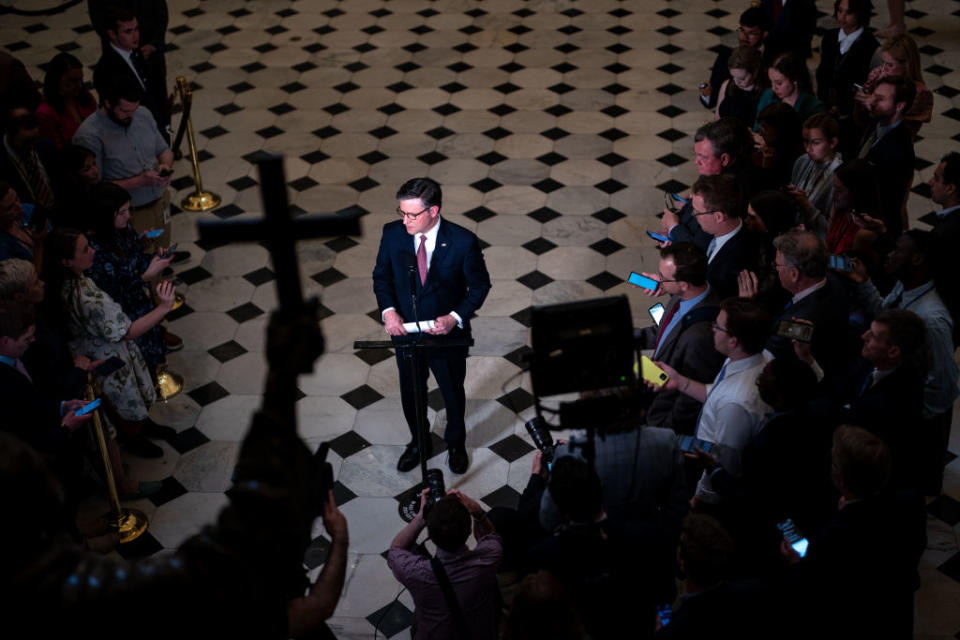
pixel 792 536
pixel 656 312
pixel 87 408
pixel 642 281
pixel 651 373
pixel 795 330
pixel 659 237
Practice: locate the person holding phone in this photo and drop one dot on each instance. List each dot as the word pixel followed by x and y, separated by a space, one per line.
pixel 131 152
pixel 862 566
pixel 732 407
pixel 122 269
pixel 100 329
pixel 683 338
pixel 845 55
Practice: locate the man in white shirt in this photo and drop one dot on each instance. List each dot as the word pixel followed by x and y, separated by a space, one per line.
pixel 732 408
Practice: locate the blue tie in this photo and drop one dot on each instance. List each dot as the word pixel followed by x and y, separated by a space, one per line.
pixel 711 248
pixel 720 376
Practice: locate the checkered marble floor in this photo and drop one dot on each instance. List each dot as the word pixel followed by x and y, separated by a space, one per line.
pixel 553 125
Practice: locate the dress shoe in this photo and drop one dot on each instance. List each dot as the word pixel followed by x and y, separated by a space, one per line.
pixel 180 256
pixel 158 431
pixel 173 342
pixel 457 459
pixel 138 445
pixel 411 458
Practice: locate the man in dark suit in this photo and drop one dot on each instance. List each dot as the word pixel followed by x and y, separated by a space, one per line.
pixel 818 297
pixel 888 146
pixel 863 564
pixel 717 203
pixel 46 423
pixel 792 23
pixel 684 339
pixel 751 33
pixel 27 161
pixel 445 264
pixel 721 147
pixel 123 58
pixel 885 393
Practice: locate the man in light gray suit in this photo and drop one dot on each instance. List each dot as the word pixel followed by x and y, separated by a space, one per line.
pixel 683 338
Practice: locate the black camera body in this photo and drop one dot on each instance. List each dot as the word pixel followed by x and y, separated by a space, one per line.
pixel 436 486
pixel 540 433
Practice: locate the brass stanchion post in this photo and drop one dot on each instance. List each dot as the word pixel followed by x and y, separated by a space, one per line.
pixel 128 523
pixel 199 200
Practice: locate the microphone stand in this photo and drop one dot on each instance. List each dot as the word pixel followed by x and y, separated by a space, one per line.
pixel 410 499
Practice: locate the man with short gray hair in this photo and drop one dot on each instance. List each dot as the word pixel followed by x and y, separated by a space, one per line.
pixel 816 297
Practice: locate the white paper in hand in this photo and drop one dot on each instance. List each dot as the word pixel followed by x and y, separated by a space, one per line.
pixel 412 327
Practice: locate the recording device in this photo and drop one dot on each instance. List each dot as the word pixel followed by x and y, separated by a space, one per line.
pixel 642 281
pixel 839 262
pixel 537 428
pixel 26 210
pixel 656 312
pixel 169 251
pixel 652 373
pixel 678 198
pixel 790 533
pixel 436 488
pixel 659 237
pixel 669 203
pixel 689 444
pixel 111 365
pixel 165 172
pixel 33 216
pixel 795 330
pixel 664 611
pixel 87 408
pixel 858 87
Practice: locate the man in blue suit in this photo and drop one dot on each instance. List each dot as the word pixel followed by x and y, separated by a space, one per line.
pixel 445 264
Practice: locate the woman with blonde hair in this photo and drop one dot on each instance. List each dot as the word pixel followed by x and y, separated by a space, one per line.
pixel 899 57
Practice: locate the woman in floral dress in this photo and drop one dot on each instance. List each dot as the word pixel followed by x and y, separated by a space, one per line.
pixel 99 329
pixel 121 269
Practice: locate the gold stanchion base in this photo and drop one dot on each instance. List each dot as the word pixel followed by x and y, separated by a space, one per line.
pixel 178 300
pixel 200 201
pixel 129 524
pixel 169 384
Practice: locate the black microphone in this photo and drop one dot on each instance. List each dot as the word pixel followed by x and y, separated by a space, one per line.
pixel 412 269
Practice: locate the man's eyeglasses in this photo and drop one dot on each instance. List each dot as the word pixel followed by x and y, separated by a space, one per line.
pixel 411 216
pixel 717 327
pixel 703 213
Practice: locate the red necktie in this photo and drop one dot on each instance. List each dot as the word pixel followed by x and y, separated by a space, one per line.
pixel 422 258
pixel 663 325
pixel 18 365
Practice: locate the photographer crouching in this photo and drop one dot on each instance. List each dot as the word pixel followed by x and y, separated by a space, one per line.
pixel 455 592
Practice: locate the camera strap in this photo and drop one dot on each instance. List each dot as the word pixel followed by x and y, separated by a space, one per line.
pixel 451 598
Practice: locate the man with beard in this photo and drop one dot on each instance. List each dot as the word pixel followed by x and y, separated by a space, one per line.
pixel 131 153
pixel 889 147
